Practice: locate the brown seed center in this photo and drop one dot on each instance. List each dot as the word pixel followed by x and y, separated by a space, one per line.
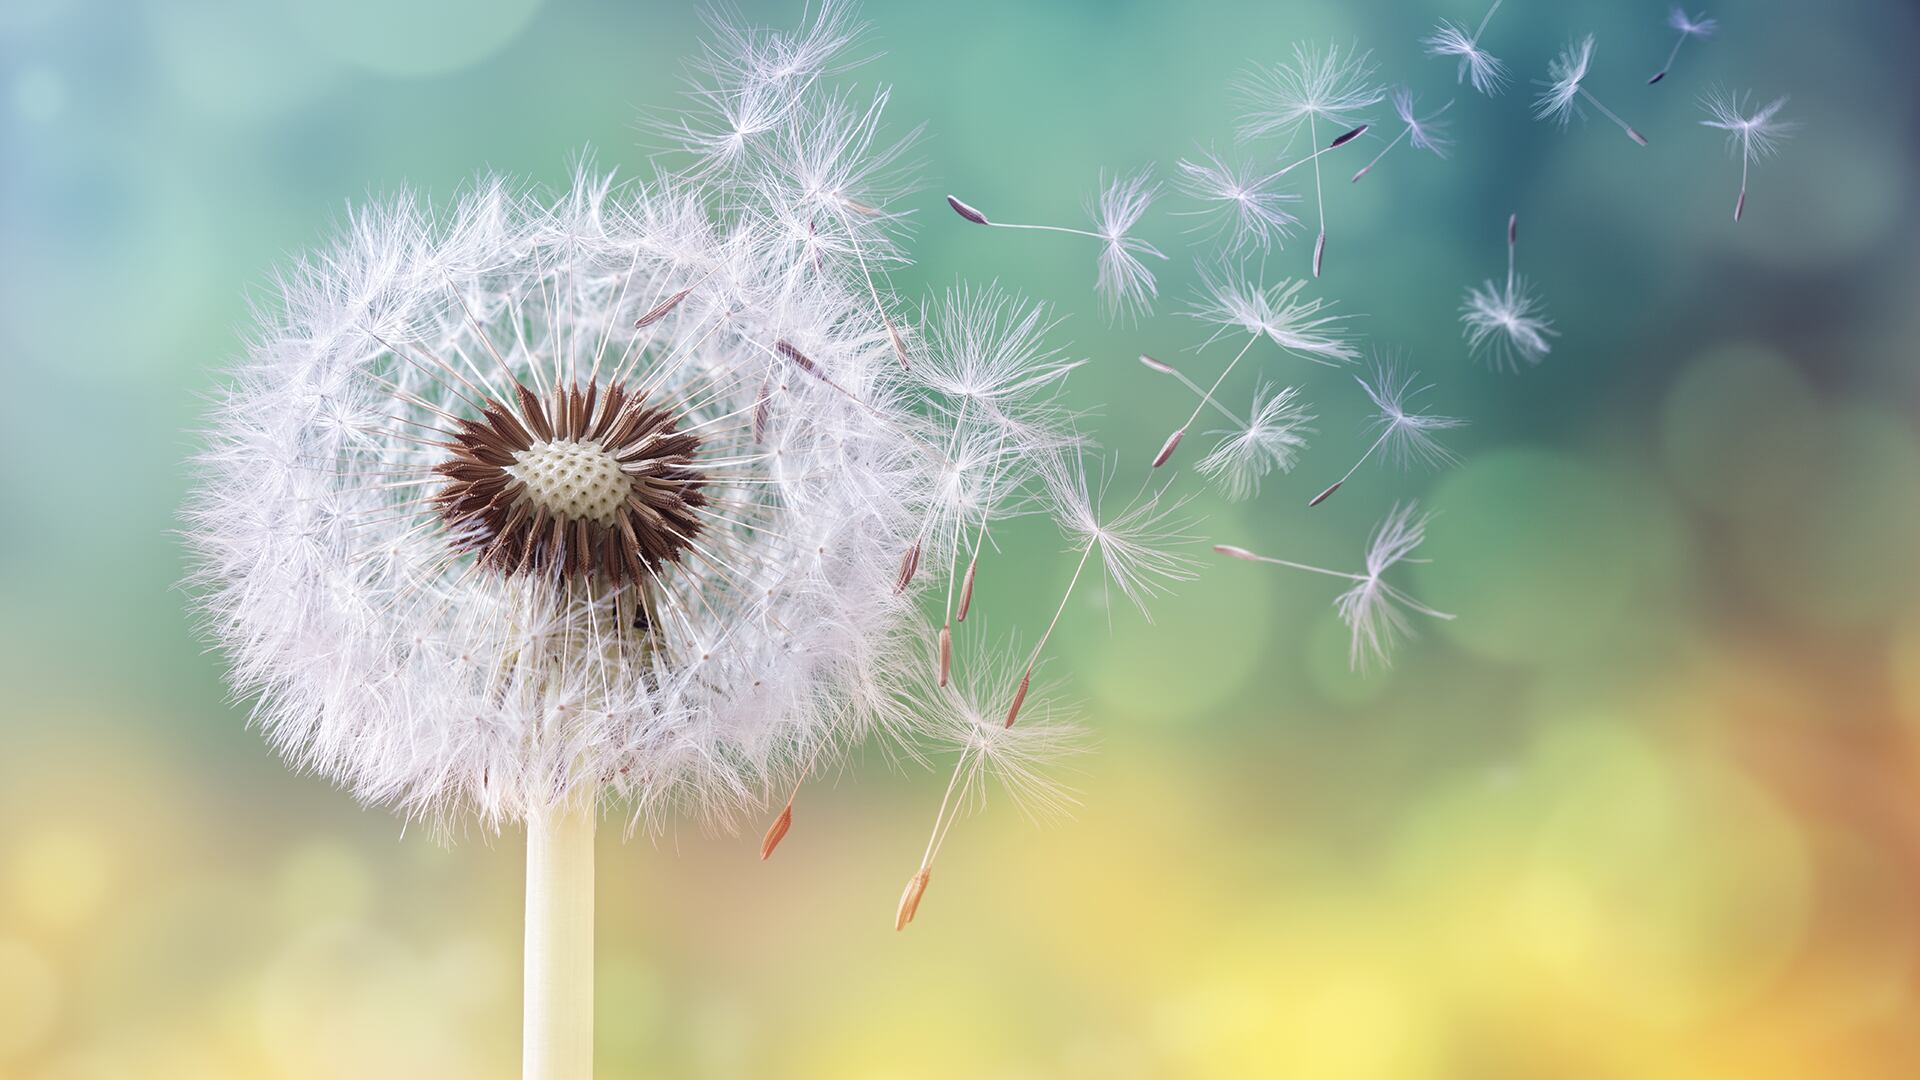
pixel 572 485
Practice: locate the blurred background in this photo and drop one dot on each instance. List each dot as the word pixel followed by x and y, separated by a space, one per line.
pixel 1649 808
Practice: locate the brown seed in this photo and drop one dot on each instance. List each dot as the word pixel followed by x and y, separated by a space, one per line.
pixel 899 343
pixel 786 348
pixel 1319 252
pixel 776 832
pixel 967 212
pixel 909 565
pixel 946 653
pixel 966 589
pixel 910 899
pixel 1513 229
pixel 659 311
pixel 1348 137
pixel 1019 697
pixel 1172 444
pixel 1322 497
pixel 760 410
pixel 1156 365
pixel 1235 552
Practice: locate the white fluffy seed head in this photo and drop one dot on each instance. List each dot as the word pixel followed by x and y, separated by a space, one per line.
pixel 684 633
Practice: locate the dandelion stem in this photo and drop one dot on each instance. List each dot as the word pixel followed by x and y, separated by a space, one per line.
pixel 1335 486
pixel 557 1036
pixel 1319 197
pixel 1485 19
pixel 1047 228
pixel 1383 153
pixel 1609 114
pixel 1746 161
pixel 1662 73
pixel 1055 621
pixel 1304 566
pixel 1345 138
pixel 1513 241
pixel 1208 397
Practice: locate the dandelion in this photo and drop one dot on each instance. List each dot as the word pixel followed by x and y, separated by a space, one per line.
pixel 1508 323
pixel 1248 213
pixel 1422 134
pixel 545 504
pixel 1488 74
pixel 1303 327
pixel 1566 75
pixel 1328 86
pixel 1756 135
pixel 1405 438
pixel 1124 282
pixel 1375 612
pixel 1688 26
pixel 1019 759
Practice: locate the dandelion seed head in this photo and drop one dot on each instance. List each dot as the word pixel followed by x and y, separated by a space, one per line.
pixel 1244 212
pixel 1759 132
pixel 1376 612
pixel 612 491
pixel 1408 435
pixel 1425 134
pixel 1124 283
pixel 1506 324
pixel 1141 548
pixel 1692 25
pixel 1023 760
pixel 1274 435
pixel 1564 76
pixel 1323 84
pixel 1487 73
pixel 1303 326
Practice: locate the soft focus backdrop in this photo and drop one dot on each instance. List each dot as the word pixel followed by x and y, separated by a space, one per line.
pixel 1649 808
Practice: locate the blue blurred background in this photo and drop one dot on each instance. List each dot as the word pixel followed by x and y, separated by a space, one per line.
pixel 1648 808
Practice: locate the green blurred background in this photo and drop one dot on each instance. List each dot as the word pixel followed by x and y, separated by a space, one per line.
pixel 1649 808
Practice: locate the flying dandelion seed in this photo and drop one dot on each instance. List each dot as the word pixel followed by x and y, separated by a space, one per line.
pixel 1754 136
pixel 1230 303
pixel 1688 26
pixel 1427 134
pixel 1021 760
pixel 1507 324
pixel 1566 75
pixel 1123 282
pixel 1139 548
pixel 1488 74
pixel 1375 612
pixel 1320 85
pixel 1269 441
pixel 1245 212
pixel 1405 438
